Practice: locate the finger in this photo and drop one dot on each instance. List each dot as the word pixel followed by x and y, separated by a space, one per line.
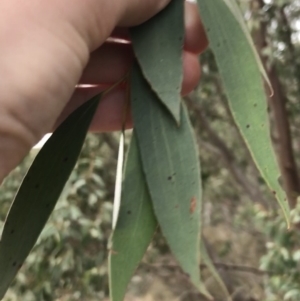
pixel 109 116
pixel 108 64
pixel 195 37
pixel 191 72
pixel 113 61
pixel 110 113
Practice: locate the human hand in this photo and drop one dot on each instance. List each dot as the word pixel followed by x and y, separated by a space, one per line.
pixel 48 47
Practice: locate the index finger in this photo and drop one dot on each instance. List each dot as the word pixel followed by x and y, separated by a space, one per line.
pixel 195 36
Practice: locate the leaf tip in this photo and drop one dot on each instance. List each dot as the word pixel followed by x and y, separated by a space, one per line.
pixel 175 112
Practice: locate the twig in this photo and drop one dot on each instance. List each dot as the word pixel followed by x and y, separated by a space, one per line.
pixel 218 265
pixel 239 268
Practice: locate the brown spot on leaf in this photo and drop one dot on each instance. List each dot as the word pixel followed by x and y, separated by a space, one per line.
pixel 193 205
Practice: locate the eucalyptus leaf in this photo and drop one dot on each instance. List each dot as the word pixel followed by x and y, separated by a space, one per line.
pixel 243 84
pixel 232 5
pixel 40 191
pixel 171 166
pixel 158 46
pixel 135 227
pixel 212 269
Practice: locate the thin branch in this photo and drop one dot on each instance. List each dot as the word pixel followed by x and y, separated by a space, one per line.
pixel 218 265
pixel 239 268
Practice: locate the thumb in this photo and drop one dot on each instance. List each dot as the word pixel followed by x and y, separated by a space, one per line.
pixel 45 46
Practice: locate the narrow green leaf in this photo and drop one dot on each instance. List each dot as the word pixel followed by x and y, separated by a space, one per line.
pixel 209 264
pixel 244 87
pixel 158 46
pixel 135 227
pixel 232 5
pixel 40 191
pixel 170 163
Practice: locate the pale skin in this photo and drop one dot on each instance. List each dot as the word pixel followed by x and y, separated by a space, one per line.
pixel 48 47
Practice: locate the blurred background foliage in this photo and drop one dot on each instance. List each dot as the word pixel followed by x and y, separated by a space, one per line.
pixel 245 233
